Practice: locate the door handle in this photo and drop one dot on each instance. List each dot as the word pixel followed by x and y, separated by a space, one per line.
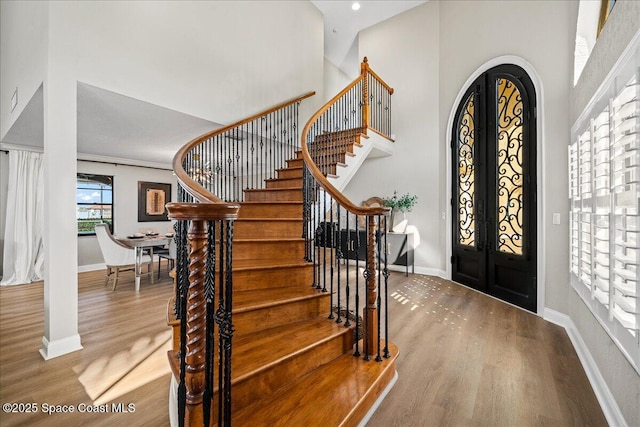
pixel 482 225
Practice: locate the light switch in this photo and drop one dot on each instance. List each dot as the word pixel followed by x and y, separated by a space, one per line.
pixel 556 218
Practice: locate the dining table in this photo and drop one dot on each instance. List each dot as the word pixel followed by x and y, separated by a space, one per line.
pixel 139 244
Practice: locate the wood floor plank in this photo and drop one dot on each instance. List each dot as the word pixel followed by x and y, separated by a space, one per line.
pixel 470 360
pixel 121 333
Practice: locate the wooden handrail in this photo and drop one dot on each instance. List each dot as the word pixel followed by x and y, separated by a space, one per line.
pixel 377 77
pixel 315 171
pixel 192 186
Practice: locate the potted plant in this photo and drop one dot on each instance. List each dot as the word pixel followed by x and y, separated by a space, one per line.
pixel 404 203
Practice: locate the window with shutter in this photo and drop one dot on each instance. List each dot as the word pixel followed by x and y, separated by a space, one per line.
pixel 604 192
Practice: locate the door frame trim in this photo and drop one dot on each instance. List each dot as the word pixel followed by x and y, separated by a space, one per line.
pixel 540 179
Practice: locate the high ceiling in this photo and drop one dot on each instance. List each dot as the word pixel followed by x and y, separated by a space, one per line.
pixel 342 25
pixel 120 128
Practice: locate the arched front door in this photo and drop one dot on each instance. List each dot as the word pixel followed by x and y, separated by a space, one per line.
pixel 494 187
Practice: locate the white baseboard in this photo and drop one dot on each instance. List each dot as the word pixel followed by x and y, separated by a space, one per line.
pixel 431 272
pixel 91 267
pixel 607 402
pixel 378 401
pixel 173 402
pixel 51 349
pixel 419 270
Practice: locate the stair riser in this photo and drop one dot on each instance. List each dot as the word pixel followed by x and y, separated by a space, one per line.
pixel 274 196
pixel 285 183
pixel 357 414
pixel 279 315
pixel 326 140
pixel 264 278
pixel 265 210
pixel 279 250
pixel 329 158
pixel 341 134
pixel 267 229
pixel 268 381
pixel 332 169
pixel 290 173
pixel 295 163
pixel 326 148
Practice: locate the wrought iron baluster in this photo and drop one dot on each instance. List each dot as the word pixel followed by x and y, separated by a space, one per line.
pixel 357 308
pixel 386 296
pixel 209 291
pixel 338 258
pixel 317 221
pixel 219 311
pixel 226 328
pixel 379 274
pixel 271 143
pixel 347 323
pixel 182 301
pixel 225 322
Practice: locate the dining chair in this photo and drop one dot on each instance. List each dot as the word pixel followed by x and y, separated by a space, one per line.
pixel 169 255
pixel 117 256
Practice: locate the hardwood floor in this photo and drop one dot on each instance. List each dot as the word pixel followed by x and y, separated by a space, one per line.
pixel 125 340
pixel 465 359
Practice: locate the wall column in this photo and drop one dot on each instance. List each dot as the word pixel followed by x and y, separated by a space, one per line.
pixel 60 228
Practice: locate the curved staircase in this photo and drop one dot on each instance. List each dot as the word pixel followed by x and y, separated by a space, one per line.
pixel 285 351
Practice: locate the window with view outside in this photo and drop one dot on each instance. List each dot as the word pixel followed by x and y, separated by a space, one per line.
pixel 94 202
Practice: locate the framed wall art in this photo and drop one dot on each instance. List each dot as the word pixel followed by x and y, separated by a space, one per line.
pixel 152 198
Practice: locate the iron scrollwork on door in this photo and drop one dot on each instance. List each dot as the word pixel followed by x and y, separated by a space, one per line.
pixel 509 167
pixel 466 174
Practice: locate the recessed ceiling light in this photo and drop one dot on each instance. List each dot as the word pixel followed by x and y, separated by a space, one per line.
pixel 355 6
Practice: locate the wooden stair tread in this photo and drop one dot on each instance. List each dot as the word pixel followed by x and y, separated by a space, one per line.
pixel 335 394
pixel 256 219
pixel 282 179
pixel 260 264
pixel 260 350
pixel 291 167
pixel 267 202
pixel 262 298
pixel 272 189
pixel 265 240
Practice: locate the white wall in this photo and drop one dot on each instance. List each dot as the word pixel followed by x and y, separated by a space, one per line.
pixel 24 27
pixel 541 33
pixel 334 80
pixel 403 51
pixel 125 191
pixel 623 381
pixel 217 60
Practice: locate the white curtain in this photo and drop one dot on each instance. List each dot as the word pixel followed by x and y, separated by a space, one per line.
pixel 23 236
